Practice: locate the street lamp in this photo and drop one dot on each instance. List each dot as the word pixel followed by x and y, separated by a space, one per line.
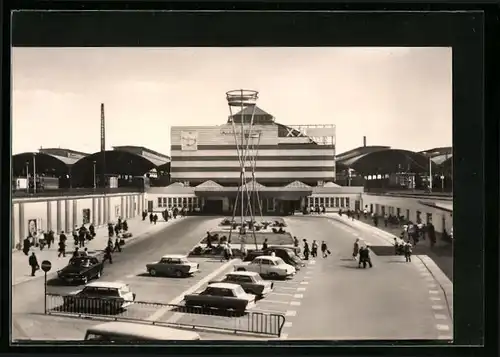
pixel 27 176
pixel 442 183
pixel 430 173
pixel 34 172
pixel 94 175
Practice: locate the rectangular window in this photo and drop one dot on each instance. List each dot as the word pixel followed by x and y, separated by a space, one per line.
pixel 342 201
pixel 164 202
pixel 196 203
pixel 398 211
pixel 347 202
pixel 169 202
pixel 337 202
pixel 159 201
pixel 174 202
pixel 321 200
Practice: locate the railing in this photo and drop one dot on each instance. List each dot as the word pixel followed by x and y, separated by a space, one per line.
pixel 22 193
pixel 167 314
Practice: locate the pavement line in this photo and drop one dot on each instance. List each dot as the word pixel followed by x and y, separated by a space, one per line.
pixel 266 311
pixel 295 303
pixel 158 314
pixel 307 277
pixel 443 327
pixel 440 317
pixel 288 324
pixel 284 288
pixel 284 336
pixel 433 292
pixel 130 276
pixel 298 296
pixel 281 294
pixel 435 298
pixel 291 313
pixel 432 286
pixel 312 262
pixel 275 302
pixel 301 289
pixel 304 282
pixel 437 307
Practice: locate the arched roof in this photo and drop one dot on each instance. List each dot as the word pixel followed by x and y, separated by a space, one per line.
pixel 118 162
pixel 447 164
pixel 389 161
pixel 44 163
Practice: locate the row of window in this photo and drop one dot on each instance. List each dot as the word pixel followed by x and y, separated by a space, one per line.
pixel 170 202
pixel 329 202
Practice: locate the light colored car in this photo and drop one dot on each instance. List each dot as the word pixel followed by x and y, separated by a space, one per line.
pixel 108 296
pixel 250 281
pixel 268 266
pixel 223 296
pixel 125 331
pixel 173 265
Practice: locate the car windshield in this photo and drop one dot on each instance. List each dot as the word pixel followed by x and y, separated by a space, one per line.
pixel 257 278
pixel 79 262
pixel 184 261
pixel 279 261
pixel 238 290
pixel 102 292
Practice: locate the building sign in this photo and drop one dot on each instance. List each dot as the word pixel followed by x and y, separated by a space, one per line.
pixel 189 140
pixel 254 134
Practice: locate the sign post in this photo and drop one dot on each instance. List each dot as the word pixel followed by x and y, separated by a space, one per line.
pixel 46 266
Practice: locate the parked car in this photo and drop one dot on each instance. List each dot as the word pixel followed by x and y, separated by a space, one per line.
pixel 173 265
pixel 288 256
pixel 117 331
pixel 100 297
pixel 222 296
pixel 267 266
pixel 81 269
pixel 250 281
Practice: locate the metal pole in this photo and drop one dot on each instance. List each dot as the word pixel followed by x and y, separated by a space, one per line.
pixel 430 174
pixel 34 173
pixel 27 177
pixel 45 294
pixel 94 176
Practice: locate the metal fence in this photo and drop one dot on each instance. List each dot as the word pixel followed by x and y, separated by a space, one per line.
pixel 167 314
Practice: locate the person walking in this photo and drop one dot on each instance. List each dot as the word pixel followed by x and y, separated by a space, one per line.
pixel 108 254
pixel 314 249
pixel 306 250
pixel 364 257
pixel 117 246
pixel 356 249
pixel 324 249
pixel 408 250
pixel 264 245
pixel 33 262
pixel 62 245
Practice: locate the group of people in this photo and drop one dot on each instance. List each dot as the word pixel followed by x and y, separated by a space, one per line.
pixel 364 254
pixel 119 227
pixel 313 250
pixel 318 209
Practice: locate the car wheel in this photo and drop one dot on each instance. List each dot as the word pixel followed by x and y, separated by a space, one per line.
pixel 152 272
pixel 240 269
pixel 178 274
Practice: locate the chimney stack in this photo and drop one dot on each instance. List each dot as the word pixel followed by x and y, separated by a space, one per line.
pixel 364 141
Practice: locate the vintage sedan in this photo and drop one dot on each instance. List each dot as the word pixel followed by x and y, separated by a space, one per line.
pixel 81 269
pixel 268 266
pixel 100 297
pixel 173 265
pixel 250 281
pixel 222 296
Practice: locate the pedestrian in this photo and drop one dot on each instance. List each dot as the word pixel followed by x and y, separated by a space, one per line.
pixel 50 239
pixel 117 229
pixel 117 246
pixel 92 231
pixel 75 235
pixel 243 250
pixel 125 226
pixel 306 250
pixel 108 254
pixel 155 218
pixel 26 246
pixel 33 262
pixel 408 250
pixel 264 245
pixel 355 250
pixel 76 253
pixel 85 252
pixel 364 257
pixel 110 230
pixel 62 245
pixel 295 242
pixel 431 232
pixel 314 249
pixel 324 249
pixel 81 237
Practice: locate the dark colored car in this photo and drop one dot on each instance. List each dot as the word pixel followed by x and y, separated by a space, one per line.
pixel 222 296
pixel 250 281
pixel 81 269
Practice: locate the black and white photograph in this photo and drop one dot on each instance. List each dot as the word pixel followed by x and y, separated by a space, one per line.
pixel 232 193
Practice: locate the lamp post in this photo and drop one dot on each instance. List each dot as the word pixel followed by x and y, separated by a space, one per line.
pixel 34 172
pixel 430 174
pixel 94 176
pixel 442 183
pixel 27 177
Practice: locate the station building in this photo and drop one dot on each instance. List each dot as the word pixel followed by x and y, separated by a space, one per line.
pixel 294 166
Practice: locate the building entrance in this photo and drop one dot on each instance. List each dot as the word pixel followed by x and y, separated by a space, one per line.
pixel 213 207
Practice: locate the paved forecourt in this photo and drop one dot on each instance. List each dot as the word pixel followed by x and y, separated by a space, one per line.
pixel 129 266
pixel 393 300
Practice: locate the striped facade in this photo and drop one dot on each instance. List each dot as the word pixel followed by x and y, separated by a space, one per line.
pixel 280 159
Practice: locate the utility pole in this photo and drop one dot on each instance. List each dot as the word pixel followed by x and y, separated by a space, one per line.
pixel 103 147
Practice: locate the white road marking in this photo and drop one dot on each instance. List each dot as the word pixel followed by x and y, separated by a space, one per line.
pixel 435 298
pixel 266 311
pixel 433 292
pixel 307 277
pixel 298 296
pixel 440 317
pixel 443 327
pixel 284 336
pixel 432 286
pixel 312 262
pixel 280 294
pixel 304 282
pixel 284 288
pixel 288 324
pixel 295 303
pixel 291 313
pixel 301 289
pixel 273 302
pixel 158 314
pixel 437 307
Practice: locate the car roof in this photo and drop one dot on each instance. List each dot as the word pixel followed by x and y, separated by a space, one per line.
pixel 243 273
pixel 268 257
pixel 106 284
pixel 152 332
pixel 224 285
pixel 173 256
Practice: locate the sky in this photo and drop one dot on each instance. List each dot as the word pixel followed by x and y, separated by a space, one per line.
pixel 398 97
